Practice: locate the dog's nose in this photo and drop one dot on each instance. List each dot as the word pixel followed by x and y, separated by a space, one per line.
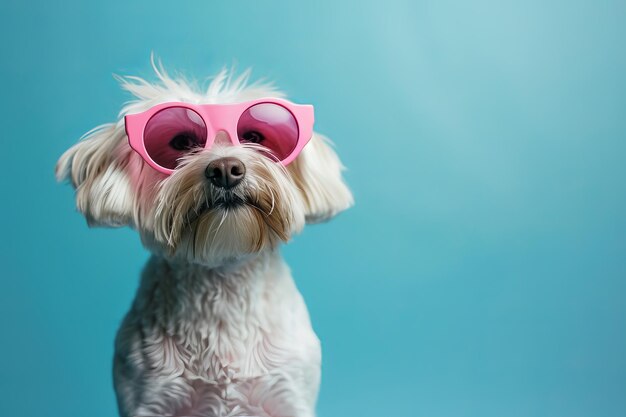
pixel 225 172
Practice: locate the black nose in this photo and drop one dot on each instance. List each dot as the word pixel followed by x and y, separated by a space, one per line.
pixel 225 172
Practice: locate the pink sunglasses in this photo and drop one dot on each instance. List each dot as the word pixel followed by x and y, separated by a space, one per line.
pixel 165 133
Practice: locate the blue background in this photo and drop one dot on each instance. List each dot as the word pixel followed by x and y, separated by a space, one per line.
pixel 482 271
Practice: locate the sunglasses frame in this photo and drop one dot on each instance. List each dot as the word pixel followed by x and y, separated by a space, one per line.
pixel 219 117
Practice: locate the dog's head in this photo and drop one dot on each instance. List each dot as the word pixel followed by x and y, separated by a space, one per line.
pixel 220 203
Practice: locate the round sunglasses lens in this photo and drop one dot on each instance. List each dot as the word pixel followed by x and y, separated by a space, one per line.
pixel 271 126
pixel 172 133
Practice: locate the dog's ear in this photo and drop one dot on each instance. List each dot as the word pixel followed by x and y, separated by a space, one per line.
pixel 96 168
pixel 317 172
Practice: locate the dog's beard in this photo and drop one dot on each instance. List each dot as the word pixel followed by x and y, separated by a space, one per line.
pixel 205 224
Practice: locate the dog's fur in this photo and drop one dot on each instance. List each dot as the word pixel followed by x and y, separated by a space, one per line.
pixel 218 327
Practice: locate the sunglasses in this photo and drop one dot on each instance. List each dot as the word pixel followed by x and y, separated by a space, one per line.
pixel 165 133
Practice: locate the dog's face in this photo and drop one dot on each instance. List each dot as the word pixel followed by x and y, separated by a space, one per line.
pixel 190 215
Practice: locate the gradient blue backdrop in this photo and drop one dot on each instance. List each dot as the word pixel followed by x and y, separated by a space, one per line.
pixel 482 271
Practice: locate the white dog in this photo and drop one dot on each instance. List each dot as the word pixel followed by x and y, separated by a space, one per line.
pixel 218 327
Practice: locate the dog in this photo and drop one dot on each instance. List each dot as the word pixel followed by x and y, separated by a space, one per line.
pixel 217 327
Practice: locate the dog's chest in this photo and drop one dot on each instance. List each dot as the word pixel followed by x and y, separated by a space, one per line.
pixel 213 343
pixel 221 331
pixel 217 351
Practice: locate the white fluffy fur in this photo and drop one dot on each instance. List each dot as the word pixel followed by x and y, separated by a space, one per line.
pixel 218 327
